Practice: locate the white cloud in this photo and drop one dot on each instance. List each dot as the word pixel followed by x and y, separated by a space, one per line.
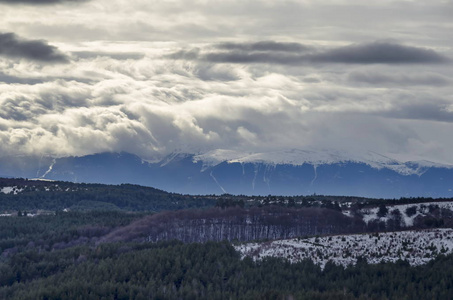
pixel 120 93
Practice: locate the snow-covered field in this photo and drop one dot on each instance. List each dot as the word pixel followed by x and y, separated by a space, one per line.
pixel 416 247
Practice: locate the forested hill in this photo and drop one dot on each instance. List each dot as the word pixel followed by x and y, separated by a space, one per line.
pixel 24 194
pixel 33 195
pixel 89 244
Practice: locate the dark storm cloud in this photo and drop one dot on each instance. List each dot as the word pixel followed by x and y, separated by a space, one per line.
pixel 297 54
pixel 379 53
pixel 374 77
pixel 422 111
pixel 40 2
pixel 264 46
pixel 37 50
pixel 238 57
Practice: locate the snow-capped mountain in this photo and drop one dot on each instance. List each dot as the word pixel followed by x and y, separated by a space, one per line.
pixel 296 157
pixel 291 172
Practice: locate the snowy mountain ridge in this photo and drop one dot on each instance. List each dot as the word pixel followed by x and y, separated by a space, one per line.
pixel 286 172
pixel 298 157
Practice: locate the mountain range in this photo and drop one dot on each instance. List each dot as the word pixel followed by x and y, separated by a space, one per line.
pixel 292 172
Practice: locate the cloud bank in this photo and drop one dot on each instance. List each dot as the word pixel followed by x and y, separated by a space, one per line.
pixel 379 53
pixel 152 106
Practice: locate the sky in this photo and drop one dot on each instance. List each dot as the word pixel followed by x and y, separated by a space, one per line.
pixel 79 77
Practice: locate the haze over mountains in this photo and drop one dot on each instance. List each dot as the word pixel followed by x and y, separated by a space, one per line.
pixel 292 172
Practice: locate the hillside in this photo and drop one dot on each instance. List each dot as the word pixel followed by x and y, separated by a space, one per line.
pixel 415 247
pixel 33 195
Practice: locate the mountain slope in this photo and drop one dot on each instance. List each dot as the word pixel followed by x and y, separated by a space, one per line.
pixel 295 172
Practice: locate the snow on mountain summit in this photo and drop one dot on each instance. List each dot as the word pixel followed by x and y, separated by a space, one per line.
pixel 297 157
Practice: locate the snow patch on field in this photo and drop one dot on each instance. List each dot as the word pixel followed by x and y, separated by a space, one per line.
pixel 11 190
pixel 422 209
pixel 416 247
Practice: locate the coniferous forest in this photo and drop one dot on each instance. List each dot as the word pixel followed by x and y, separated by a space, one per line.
pixel 69 254
pixel 213 270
